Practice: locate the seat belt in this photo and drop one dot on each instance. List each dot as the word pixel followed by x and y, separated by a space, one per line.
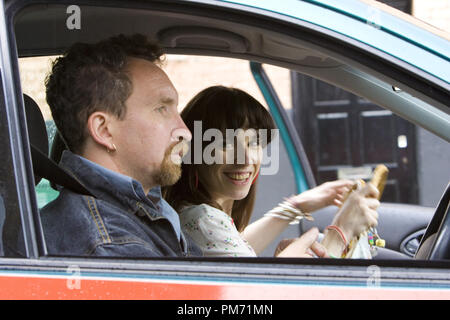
pixel 50 170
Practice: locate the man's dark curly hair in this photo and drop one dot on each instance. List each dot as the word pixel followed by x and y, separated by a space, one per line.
pixel 93 77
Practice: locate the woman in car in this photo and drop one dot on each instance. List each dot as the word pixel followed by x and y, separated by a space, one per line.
pixel 215 196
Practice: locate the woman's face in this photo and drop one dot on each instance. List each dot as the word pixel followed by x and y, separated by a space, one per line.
pixel 231 178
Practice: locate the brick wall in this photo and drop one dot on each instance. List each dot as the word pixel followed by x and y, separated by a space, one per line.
pixel 32 75
pixel 435 12
pixel 191 74
pixel 188 74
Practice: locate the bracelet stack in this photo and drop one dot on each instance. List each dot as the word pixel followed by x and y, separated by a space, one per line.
pixel 343 238
pixel 287 211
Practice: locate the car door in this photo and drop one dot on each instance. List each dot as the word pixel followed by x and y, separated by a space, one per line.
pixel 180 26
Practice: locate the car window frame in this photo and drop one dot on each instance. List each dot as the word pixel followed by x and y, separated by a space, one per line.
pixel 33 231
pixel 26 204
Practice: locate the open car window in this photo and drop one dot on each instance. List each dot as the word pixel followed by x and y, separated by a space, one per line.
pixel 348 114
pixel 182 69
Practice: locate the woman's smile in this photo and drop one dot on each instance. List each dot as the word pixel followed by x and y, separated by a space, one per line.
pixel 239 177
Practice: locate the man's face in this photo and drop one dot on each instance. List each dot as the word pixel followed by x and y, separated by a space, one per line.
pixel 146 137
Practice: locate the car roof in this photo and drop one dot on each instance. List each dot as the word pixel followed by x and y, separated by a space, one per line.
pixel 376 25
pixel 373 15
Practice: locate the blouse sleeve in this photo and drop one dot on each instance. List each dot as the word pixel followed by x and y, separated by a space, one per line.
pixel 214 232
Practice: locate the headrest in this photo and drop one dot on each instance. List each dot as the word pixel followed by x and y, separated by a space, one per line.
pixel 37 132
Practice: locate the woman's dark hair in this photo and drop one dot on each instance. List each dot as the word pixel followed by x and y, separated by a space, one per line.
pixel 220 108
pixel 93 77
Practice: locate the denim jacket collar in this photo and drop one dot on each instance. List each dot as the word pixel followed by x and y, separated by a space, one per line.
pixel 110 186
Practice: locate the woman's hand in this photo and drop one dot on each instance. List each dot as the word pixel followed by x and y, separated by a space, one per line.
pixel 328 193
pixel 358 212
pixel 305 246
pixel 263 231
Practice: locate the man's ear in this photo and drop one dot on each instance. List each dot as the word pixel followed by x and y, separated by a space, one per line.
pixel 97 126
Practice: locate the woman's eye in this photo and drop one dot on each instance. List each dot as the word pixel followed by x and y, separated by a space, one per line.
pixel 253 144
pixel 228 146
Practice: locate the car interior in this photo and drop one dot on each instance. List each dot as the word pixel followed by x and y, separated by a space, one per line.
pixel 308 50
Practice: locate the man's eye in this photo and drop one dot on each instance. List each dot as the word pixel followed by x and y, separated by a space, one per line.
pixel 161 109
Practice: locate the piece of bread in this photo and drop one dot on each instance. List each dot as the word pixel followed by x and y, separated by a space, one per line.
pixel 379 178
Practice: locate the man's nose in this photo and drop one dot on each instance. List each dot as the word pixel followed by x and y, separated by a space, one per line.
pixel 181 132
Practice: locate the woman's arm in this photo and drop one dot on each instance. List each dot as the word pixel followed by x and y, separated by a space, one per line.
pixel 326 194
pixel 262 232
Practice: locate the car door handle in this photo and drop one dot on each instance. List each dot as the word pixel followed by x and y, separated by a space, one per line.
pixel 411 243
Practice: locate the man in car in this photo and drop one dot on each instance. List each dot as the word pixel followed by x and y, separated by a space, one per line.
pixel 117 112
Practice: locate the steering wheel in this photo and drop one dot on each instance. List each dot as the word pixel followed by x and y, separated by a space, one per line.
pixel 435 243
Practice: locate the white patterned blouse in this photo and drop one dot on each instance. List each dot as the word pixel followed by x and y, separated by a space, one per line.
pixel 214 232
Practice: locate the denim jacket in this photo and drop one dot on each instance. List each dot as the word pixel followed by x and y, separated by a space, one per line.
pixel 120 221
